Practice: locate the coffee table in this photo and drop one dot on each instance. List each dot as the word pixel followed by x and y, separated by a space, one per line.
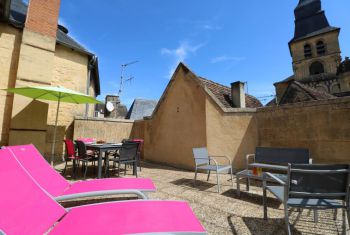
pixel 248 174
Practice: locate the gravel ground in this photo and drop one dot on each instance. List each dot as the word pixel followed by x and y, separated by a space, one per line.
pixel 226 212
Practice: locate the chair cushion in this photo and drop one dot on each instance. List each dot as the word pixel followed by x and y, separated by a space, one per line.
pixel 278 191
pixel 323 203
pixel 86 186
pixel 213 168
pixel 130 217
pixel 269 166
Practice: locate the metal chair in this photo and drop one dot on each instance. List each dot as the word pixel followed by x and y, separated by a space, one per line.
pixel 127 155
pixel 84 156
pixel 316 187
pixel 204 162
pixel 140 141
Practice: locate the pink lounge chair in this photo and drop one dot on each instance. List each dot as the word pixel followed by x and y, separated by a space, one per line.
pixel 59 188
pixel 28 209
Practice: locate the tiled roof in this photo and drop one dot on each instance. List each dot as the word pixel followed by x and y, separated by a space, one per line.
pixel 141 108
pixel 17 17
pixel 223 94
pixel 298 92
pixel 18 14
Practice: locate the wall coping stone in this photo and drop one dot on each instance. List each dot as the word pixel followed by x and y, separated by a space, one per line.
pixel 339 100
pixel 102 119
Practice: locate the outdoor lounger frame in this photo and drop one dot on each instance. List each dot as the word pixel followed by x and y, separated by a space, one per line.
pixel 59 188
pixel 26 208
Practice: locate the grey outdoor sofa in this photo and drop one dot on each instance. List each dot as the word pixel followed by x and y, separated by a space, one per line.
pixel 316 187
pixel 277 158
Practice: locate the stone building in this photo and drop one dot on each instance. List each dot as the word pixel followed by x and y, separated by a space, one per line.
pixel 197 112
pixel 316 55
pixel 36 51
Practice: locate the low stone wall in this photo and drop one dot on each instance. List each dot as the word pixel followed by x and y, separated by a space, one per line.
pixel 110 130
pixel 323 127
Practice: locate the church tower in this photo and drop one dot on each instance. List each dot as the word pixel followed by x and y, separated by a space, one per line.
pixel 315 47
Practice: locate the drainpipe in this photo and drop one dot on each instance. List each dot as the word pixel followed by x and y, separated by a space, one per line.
pixel 90 67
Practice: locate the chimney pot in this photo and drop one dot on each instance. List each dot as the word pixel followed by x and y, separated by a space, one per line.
pixel 238 94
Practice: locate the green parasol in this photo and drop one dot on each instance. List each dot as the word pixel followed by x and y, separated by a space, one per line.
pixel 59 94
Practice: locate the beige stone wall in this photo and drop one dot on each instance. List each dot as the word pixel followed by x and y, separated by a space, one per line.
pixel 70 71
pixel 10 40
pixel 323 127
pixel 35 65
pixel 110 130
pixel 232 134
pixel 330 61
pixel 178 125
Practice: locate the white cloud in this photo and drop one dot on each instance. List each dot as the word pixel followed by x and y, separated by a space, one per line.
pixel 225 58
pixel 180 54
pixel 210 27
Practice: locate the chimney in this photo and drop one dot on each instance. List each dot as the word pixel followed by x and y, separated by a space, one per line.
pixel 238 94
pixel 42 17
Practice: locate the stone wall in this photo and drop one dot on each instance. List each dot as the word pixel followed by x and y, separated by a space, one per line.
pixel 70 71
pixel 10 40
pixel 109 130
pixel 232 134
pixel 178 124
pixel 323 127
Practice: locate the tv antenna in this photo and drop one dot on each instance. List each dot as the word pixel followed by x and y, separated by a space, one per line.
pixel 122 78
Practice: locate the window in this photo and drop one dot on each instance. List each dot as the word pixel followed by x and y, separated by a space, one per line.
pixel 307 51
pixel 321 49
pixel 316 68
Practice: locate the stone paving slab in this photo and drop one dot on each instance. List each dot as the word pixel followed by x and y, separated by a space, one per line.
pixel 226 212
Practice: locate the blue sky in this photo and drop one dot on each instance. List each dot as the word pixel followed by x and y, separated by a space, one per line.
pixel 224 41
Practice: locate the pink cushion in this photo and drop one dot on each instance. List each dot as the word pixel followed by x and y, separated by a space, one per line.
pixel 40 169
pixel 24 207
pixel 56 185
pixel 111 184
pixel 87 140
pixel 130 217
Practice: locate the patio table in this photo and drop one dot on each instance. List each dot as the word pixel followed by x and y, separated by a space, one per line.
pixel 102 148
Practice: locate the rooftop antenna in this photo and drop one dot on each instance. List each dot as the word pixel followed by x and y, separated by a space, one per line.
pixel 122 79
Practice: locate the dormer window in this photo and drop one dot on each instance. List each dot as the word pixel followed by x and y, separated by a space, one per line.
pixel 321 48
pixel 307 51
pixel 316 68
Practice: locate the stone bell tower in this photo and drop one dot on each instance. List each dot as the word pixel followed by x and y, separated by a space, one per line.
pixel 315 47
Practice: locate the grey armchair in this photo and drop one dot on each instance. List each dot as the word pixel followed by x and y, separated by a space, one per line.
pixel 316 187
pixel 205 162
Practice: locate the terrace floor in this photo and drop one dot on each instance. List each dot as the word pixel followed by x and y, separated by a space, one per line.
pixel 227 213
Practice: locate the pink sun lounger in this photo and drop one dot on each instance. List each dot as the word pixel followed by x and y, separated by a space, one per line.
pixel 26 208
pixel 59 188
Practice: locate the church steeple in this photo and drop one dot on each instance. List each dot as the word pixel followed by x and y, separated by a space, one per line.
pixel 309 18
pixel 315 45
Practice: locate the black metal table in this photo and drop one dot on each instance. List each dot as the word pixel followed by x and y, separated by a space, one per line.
pixel 102 148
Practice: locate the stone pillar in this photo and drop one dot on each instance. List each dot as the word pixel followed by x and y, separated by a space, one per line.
pixel 35 66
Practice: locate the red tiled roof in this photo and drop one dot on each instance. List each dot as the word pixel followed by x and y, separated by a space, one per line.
pixel 298 92
pixel 223 94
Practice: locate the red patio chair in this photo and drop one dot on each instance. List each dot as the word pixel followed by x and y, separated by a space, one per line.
pixel 70 156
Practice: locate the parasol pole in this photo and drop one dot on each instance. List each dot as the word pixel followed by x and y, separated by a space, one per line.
pixel 55 130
